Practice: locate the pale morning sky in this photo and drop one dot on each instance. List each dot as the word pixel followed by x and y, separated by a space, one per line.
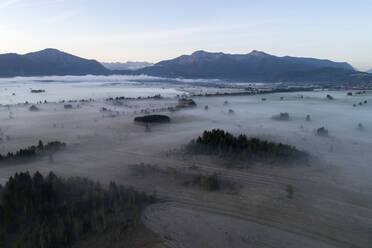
pixel 139 30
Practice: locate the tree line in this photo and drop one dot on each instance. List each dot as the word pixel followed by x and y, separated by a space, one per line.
pixel 33 151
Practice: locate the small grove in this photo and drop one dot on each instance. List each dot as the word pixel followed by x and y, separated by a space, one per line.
pixel 226 145
pixel 152 119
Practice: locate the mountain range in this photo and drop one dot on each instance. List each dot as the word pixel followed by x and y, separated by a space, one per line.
pixel 369 71
pixel 255 66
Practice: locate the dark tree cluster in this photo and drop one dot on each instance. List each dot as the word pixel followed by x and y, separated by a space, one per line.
pixel 33 151
pixel 329 97
pixel 255 91
pixel 185 103
pixel 37 91
pixel 38 211
pixel 67 106
pixel 282 117
pixel 152 119
pixel 290 191
pixel 75 101
pixel 51 146
pixel 360 92
pixel 208 182
pixel 360 127
pixel 361 103
pixel 120 98
pixel 224 144
pixel 322 131
pixel 33 108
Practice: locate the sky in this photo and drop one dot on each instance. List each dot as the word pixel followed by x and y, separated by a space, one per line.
pixel 153 30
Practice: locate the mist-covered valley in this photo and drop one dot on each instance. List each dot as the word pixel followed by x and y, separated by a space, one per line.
pixel 331 200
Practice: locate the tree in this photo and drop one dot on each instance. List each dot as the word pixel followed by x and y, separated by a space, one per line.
pixel 40 145
pixel 290 191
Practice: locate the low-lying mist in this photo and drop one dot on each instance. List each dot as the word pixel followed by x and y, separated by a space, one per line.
pixel 104 143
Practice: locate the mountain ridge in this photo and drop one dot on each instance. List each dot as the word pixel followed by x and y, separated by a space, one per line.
pixel 256 65
pixel 262 55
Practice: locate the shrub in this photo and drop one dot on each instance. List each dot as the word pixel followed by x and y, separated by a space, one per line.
pixel 360 127
pixel 33 108
pixel 208 182
pixel 289 190
pixel 329 97
pixel 185 103
pixel 322 131
pixel 282 117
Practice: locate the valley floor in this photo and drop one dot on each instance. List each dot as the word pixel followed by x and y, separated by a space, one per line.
pixel 331 206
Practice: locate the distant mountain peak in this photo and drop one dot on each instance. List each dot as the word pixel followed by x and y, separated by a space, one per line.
pixel 48 51
pixel 48 62
pixel 198 52
pixel 259 54
pixel 51 50
pixel 204 53
pixel 255 53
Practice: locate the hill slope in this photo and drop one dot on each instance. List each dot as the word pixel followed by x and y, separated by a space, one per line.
pixel 48 62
